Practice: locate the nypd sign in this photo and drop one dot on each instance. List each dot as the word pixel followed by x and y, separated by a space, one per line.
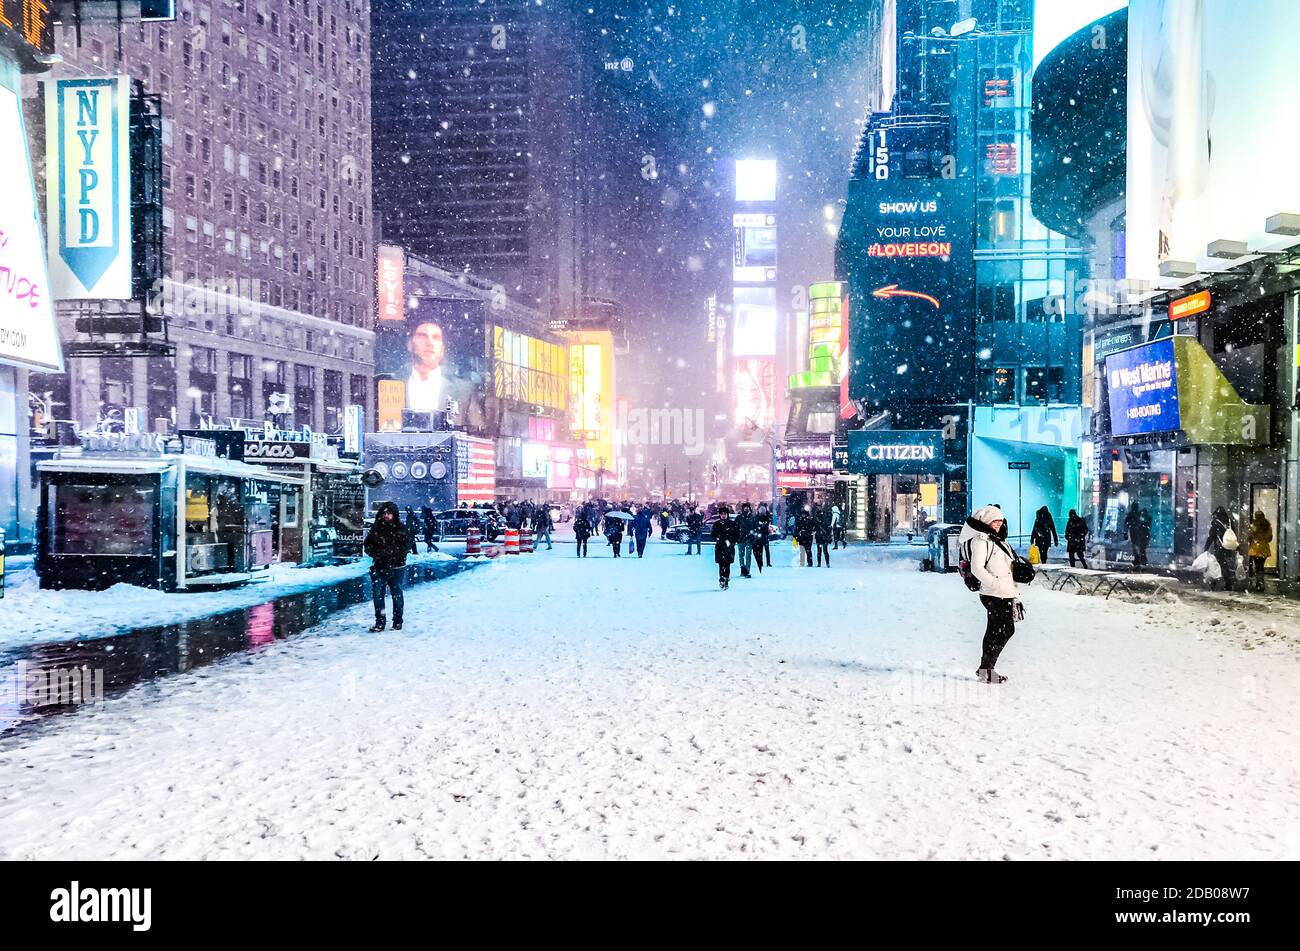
pixel 89 201
pixel 896 452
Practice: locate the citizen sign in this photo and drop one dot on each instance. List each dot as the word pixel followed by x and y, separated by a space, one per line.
pixel 925 453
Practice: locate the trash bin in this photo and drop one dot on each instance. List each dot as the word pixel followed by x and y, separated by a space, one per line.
pixel 942 543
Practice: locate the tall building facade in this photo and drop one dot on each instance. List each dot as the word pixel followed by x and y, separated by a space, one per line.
pixel 956 292
pixel 475 128
pixel 267 251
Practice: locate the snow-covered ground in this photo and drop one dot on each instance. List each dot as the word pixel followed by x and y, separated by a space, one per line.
pixel 551 707
pixel 35 616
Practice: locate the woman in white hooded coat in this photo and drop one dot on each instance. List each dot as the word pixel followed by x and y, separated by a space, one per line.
pixel 983 541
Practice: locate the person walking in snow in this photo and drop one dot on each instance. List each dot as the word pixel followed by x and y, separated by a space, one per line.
pixel 1043 535
pixel 614 534
pixel 822 532
pixel 746 532
pixel 762 534
pixel 725 538
pixel 1222 545
pixel 542 524
pixel 412 530
pixel 664 519
pixel 1137 525
pixel 582 532
pixel 642 529
pixel 805 530
pixel 1076 538
pixel 695 523
pixel 430 528
pixel 837 529
pixel 1259 547
pixel 387 546
pixel 983 546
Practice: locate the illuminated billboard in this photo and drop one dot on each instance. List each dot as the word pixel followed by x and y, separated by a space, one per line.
pixel 754 259
pixel 754 331
pixel 528 370
pixel 391 265
pixel 430 363
pixel 28 334
pixel 1143 388
pixel 756 180
pixel 906 249
pixel 1210 87
pixel 591 397
pixel 754 388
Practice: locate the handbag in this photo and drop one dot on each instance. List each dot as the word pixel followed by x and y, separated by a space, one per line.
pixel 1229 541
pixel 1034 556
pixel 1022 572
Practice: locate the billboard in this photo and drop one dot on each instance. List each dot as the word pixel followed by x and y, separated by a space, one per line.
pixel 526 369
pixel 906 249
pixel 1209 86
pixel 754 248
pixel 591 398
pixel 29 336
pixel 754 387
pixel 432 362
pixel 391 265
pixel 754 331
pixel 755 180
pixel 89 168
pixel 896 452
pixel 1143 387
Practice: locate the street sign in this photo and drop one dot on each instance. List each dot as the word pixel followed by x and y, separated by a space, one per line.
pixel 1017 466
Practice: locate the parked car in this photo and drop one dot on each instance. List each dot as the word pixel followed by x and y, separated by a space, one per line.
pixel 452 523
pixel 560 513
pixel 681 532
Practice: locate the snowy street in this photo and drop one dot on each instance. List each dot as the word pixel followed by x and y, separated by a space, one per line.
pixel 547 707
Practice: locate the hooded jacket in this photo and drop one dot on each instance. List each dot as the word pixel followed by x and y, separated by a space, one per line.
pixel 386 542
pixel 990 558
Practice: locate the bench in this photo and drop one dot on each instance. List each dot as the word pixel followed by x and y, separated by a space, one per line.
pixel 1094 581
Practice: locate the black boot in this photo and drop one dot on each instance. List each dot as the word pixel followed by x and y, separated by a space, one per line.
pixel 379 624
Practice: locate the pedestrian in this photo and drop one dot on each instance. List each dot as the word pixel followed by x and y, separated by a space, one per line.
pixel 725 537
pixel 805 530
pixel 614 534
pixel 695 526
pixel 746 533
pixel 664 518
pixel 542 524
pixel 762 536
pixel 837 528
pixel 1043 535
pixel 582 532
pixel 822 532
pixel 1137 525
pixel 990 560
pixel 1259 547
pixel 642 528
pixel 386 544
pixel 430 528
pixel 1076 538
pixel 412 530
pixel 1222 545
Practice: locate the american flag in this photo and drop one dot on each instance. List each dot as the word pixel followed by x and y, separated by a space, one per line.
pixel 476 470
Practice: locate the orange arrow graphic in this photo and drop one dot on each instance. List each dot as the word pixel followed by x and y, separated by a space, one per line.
pixel 892 291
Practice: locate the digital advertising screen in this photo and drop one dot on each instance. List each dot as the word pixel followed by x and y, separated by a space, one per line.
pixel 432 361
pixel 906 249
pixel 754 388
pixel 755 248
pixel 1143 388
pixel 754 332
pixel 756 180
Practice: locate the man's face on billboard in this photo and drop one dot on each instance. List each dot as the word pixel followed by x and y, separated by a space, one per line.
pixel 426 344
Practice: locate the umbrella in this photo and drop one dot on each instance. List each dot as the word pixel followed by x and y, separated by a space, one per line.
pixel 616 514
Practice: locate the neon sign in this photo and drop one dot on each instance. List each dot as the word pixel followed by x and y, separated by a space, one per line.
pixel 884 293
pixel 911 249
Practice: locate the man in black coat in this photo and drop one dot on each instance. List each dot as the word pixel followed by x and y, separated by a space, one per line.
pixel 386 544
pixel 725 537
pixel 805 530
pixel 695 522
pixel 762 533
